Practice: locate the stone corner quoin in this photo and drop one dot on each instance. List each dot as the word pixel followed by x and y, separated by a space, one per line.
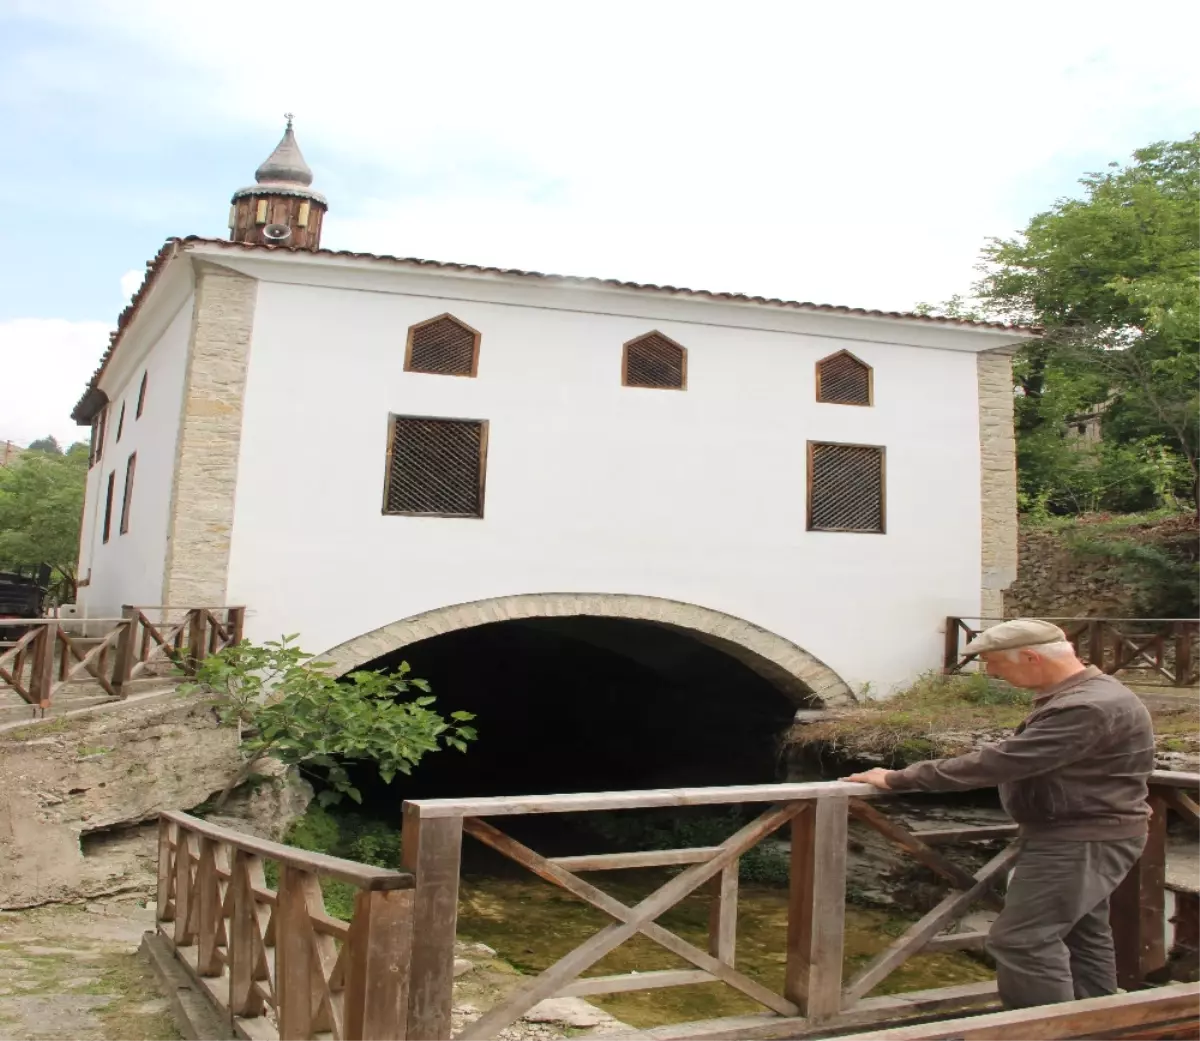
pixel 200 522
pixel 998 479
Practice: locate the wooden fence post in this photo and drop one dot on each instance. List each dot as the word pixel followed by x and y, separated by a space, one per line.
pixel 1138 908
pixel 185 894
pixel 293 956
pixel 378 965
pixel 247 947
pixel 816 908
pixel 210 923
pixel 723 915
pixel 41 678
pixel 1184 648
pixel 236 622
pixel 197 629
pixel 431 849
pixel 164 912
pixel 1095 645
pixel 126 649
pixel 950 647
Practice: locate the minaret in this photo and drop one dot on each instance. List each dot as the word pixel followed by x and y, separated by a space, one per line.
pixel 280 209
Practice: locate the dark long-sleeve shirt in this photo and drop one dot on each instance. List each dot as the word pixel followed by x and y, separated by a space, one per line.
pixel 1076 769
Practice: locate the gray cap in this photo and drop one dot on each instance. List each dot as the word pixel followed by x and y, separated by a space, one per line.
pixel 1019 632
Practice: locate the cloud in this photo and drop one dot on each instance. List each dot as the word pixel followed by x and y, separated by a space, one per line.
pixel 46 362
pixel 131 282
pixel 849 154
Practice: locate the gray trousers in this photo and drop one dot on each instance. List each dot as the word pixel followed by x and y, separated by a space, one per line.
pixel 1052 942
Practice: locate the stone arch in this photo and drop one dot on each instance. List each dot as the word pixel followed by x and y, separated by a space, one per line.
pixel 806 679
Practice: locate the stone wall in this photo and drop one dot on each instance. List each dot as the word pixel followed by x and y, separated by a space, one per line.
pixel 1053 582
pixel 73 791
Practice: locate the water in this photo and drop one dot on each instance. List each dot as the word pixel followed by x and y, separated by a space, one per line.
pixel 531 924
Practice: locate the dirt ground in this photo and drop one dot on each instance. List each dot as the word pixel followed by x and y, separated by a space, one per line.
pixel 74 972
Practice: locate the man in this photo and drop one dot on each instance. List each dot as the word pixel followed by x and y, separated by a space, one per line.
pixel 1074 778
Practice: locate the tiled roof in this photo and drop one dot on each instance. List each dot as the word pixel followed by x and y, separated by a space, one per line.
pixel 173 246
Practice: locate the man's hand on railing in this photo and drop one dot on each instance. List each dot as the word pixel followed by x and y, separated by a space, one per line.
pixel 876 777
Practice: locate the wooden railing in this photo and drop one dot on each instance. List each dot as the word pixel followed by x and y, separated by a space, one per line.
pixel 813 991
pixel 272 960
pixel 1165 647
pixel 48 654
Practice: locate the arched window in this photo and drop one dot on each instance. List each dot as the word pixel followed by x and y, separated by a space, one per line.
pixel 655 361
pixel 443 346
pixel 843 379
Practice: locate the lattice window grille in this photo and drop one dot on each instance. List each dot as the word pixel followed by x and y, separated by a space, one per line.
pixel 655 361
pixel 436 467
pixel 843 380
pixel 846 488
pixel 443 346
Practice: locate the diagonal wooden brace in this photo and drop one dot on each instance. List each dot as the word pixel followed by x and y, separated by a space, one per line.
pixel 630 920
pixel 920 933
pixel 911 843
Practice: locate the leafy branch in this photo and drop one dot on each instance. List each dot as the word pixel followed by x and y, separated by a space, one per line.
pixel 289 707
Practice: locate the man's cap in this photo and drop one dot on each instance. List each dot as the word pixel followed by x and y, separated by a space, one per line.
pixel 1019 632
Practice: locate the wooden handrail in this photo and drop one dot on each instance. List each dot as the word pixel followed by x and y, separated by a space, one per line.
pixel 263 954
pixel 1111 644
pixel 361 875
pixel 818 813
pixel 275 962
pixel 509 805
pixel 1175 779
pixel 130 647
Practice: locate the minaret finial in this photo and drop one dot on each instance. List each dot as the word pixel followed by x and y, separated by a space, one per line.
pixel 288 116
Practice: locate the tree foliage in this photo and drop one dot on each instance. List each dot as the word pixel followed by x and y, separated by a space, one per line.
pixel 1114 279
pixel 49 445
pixel 290 708
pixel 41 507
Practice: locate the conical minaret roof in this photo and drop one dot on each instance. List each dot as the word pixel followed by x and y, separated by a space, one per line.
pixel 284 171
pixel 286 164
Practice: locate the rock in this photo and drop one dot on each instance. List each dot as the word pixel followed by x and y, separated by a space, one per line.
pixel 482 950
pixel 462 966
pixel 268 804
pixel 165 752
pixel 570 1012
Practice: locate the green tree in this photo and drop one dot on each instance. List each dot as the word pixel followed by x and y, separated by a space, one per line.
pixel 41 506
pixel 49 445
pixel 1114 279
pixel 289 707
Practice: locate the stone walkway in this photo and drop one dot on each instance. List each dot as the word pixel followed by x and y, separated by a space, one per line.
pixel 75 972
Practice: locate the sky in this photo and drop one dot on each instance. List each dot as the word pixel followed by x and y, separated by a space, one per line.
pixel 856 154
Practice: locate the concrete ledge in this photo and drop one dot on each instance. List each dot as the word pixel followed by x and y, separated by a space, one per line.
pixel 99 707
pixel 191 1006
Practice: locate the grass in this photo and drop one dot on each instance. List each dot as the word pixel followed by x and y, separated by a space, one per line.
pixel 942 716
pixel 937 716
pixel 1102 523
